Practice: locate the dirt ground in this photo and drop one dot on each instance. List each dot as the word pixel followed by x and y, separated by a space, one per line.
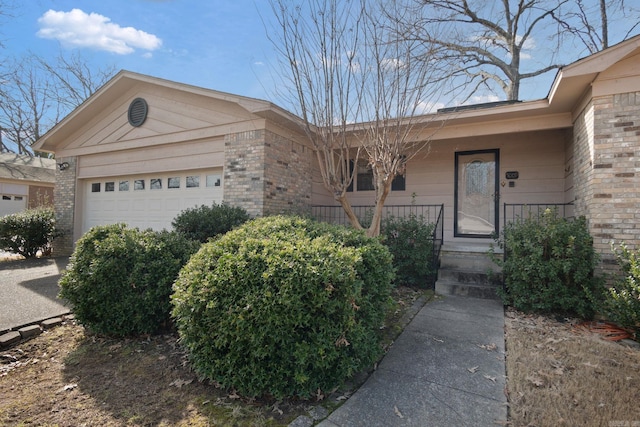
pixel 558 374
pixel 66 377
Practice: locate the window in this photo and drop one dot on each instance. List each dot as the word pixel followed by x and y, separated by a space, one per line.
pixel 193 181
pixel 109 186
pixel 156 184
pixel 399 183
pixel 173 182
pixel 123 186
pixel 6 197
pixel 95 187
pixel 363 179
pixel 17 197
pixel 364 176
pixel 138 184
pixel 213 181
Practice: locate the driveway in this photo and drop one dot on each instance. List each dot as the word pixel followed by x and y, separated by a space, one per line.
pixel 29 291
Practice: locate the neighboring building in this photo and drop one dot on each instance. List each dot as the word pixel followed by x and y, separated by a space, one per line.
pixel 25 182
pixel 141 149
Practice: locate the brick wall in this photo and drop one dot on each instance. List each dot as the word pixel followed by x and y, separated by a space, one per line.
pixel 288 176
pixel 266 173
pixel 244 171
pixel 64 196
pixel 608 171
pixel 583 161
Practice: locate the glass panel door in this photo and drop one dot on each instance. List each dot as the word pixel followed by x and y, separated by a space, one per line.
pixel 476 198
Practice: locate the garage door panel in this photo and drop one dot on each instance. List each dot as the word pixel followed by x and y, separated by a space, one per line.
pixel 148 207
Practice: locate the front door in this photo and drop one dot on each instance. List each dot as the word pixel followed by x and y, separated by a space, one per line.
pixel 476 193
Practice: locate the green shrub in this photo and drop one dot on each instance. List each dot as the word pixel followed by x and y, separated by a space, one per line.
pixel 622 301
pixel 119 280
pixel 549 266
pixel 283 306
pixel 204 222
pixel 410 241
pixel 28 232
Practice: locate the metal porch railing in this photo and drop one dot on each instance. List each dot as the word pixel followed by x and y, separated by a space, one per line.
pixel 430 214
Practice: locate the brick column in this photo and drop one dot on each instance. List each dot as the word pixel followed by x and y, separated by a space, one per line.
pixel 266 173
pixel 64 196
pixel 244 171
pixel 288 176
pixel 609 182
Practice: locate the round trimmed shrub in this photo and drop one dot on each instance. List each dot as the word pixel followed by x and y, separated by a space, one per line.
pixel 119 279
pixel 28 232
pixel 283 306
pixel 204 222
pixel 549 266
pixel 410 241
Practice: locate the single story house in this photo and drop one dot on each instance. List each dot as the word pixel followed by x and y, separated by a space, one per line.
pixel 25 182
pixel 141 149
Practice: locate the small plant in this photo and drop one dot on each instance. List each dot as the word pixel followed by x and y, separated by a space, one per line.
pixel 119 280
pixel 204 222
pixel 622 302
pixel 28 232
pixel 549 265
pixel 410 241
pixel 283 306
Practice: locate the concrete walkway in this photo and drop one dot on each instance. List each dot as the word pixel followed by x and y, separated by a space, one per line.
pixel 447 368
pixel 29 291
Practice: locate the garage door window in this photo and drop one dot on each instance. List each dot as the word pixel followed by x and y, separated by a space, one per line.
pixel 193 181
pixel 138 184
pixel 156 184
pixel 124 186
pixel 213 180
pixel 110 186
pixel 173 182
pixel 95 187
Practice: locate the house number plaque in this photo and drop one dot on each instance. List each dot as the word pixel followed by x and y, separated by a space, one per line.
pixel 512 175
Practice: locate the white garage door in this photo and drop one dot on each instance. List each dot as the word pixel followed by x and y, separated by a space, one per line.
pixel 10 204
pixel 13 198
pixel 148 201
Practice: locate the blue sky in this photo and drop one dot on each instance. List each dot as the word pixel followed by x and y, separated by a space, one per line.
pixel 217 44
pixel 220 45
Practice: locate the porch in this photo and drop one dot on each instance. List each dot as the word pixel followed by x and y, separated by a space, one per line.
pixel 461 266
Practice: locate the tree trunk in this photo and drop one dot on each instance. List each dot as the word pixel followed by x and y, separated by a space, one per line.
pixel 348 210
pixel 382 191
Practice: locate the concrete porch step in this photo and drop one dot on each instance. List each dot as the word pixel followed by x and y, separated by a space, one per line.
pixel 467 270
pixel 467 290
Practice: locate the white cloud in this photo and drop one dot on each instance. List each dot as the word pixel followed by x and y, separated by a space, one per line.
pixel 427 107
pixel 483 99
pixel 79 29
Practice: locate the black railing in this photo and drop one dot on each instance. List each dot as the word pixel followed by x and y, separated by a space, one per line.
pixel 521 211
pixel 429 214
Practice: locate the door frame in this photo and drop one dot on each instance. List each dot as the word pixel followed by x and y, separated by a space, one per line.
pixel 496 193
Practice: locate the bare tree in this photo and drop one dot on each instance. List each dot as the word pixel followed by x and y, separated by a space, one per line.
pixel 489 44
pixel 74 80
pixel 396 95
pixel 23 105
pixel 483 42
pixel 579 21
pixel 36 94
pixel 318 42
pixel 356 89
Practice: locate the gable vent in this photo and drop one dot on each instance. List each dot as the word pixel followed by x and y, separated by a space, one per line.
pixel 137 112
